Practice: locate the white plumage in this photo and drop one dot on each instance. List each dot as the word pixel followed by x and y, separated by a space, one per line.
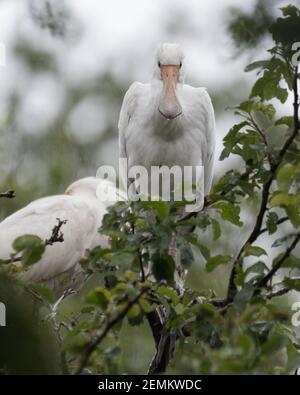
pixel 166 122
pixel 83 210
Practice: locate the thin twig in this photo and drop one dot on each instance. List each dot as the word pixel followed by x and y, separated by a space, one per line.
pixel 263 282
pixel 93 344
pixel 279 292
pixel 280 221
pixel 262 135
pixel 8 194
pixel 56 236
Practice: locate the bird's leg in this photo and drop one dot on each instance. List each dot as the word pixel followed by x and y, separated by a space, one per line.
pixel 166 341
pixel 180 273
pixel 54 306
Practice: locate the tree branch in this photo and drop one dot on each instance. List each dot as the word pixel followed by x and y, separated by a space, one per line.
pixel 263 282
pixel 279 292
pixel 92 345
pixel 164 352
pixel 8 194
pixel 232 289
pixel 261 133
pixel 280 221
pixel 56 237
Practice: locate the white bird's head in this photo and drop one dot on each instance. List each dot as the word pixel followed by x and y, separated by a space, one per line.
pixel 103 190
pixel 168 68
pixel 85 186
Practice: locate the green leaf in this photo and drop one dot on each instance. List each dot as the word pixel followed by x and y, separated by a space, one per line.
pixel 286 120
pixel 267 87
pixel 135 315
pixel 292 283
pixel 201 220
pixel 243 297
pixel 276 342
pixel 266 109
pixel 290 10
pixel 258 267
pixel 186 254
pixel 286 30
pixel 292 262
pixel 246 106
pixel 145 305
pixel 294 215
pixel 75 341
pixel 99 296
pixel 163 267
pixel 168 292
pixel 204 251
pixel 217 260
pixel 162 208
pixel 293 356
pixel 229 212
pixel 285 176
pixel 271 222
pixel 110 281
pixel 45 292
pixel 254 250
pixel 231 139
pixel 122 259
pixel 31 247
pixel 216 229
pixel 260 64
pixel 283 199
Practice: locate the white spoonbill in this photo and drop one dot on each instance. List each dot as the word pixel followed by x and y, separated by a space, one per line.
pixel 166 122
pixel 83 208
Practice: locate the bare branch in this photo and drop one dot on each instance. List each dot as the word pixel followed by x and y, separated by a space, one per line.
pixel 263 282
pixel 56 236
pixel 8 194
pixel 279 292
pixel 93 344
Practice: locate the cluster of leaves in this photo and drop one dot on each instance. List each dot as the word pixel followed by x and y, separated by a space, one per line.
pixel 248 29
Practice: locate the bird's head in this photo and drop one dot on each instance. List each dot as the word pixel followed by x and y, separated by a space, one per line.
pixel 168 68
pixel 103 190
pixel 84 187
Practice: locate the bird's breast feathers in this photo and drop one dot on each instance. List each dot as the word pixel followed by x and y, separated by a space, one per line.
pixel 150 137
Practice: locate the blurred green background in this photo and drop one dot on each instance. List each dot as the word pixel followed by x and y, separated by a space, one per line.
pixel 68 65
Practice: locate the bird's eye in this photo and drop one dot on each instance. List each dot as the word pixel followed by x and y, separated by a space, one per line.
pixel 180 65
pixel 158 63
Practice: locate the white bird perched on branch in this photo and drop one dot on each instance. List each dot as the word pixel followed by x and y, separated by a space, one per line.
pixel 166 122
pixel 82 208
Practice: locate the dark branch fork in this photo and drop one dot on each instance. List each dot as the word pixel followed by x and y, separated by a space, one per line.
pixel 57 235
pixel 8 194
